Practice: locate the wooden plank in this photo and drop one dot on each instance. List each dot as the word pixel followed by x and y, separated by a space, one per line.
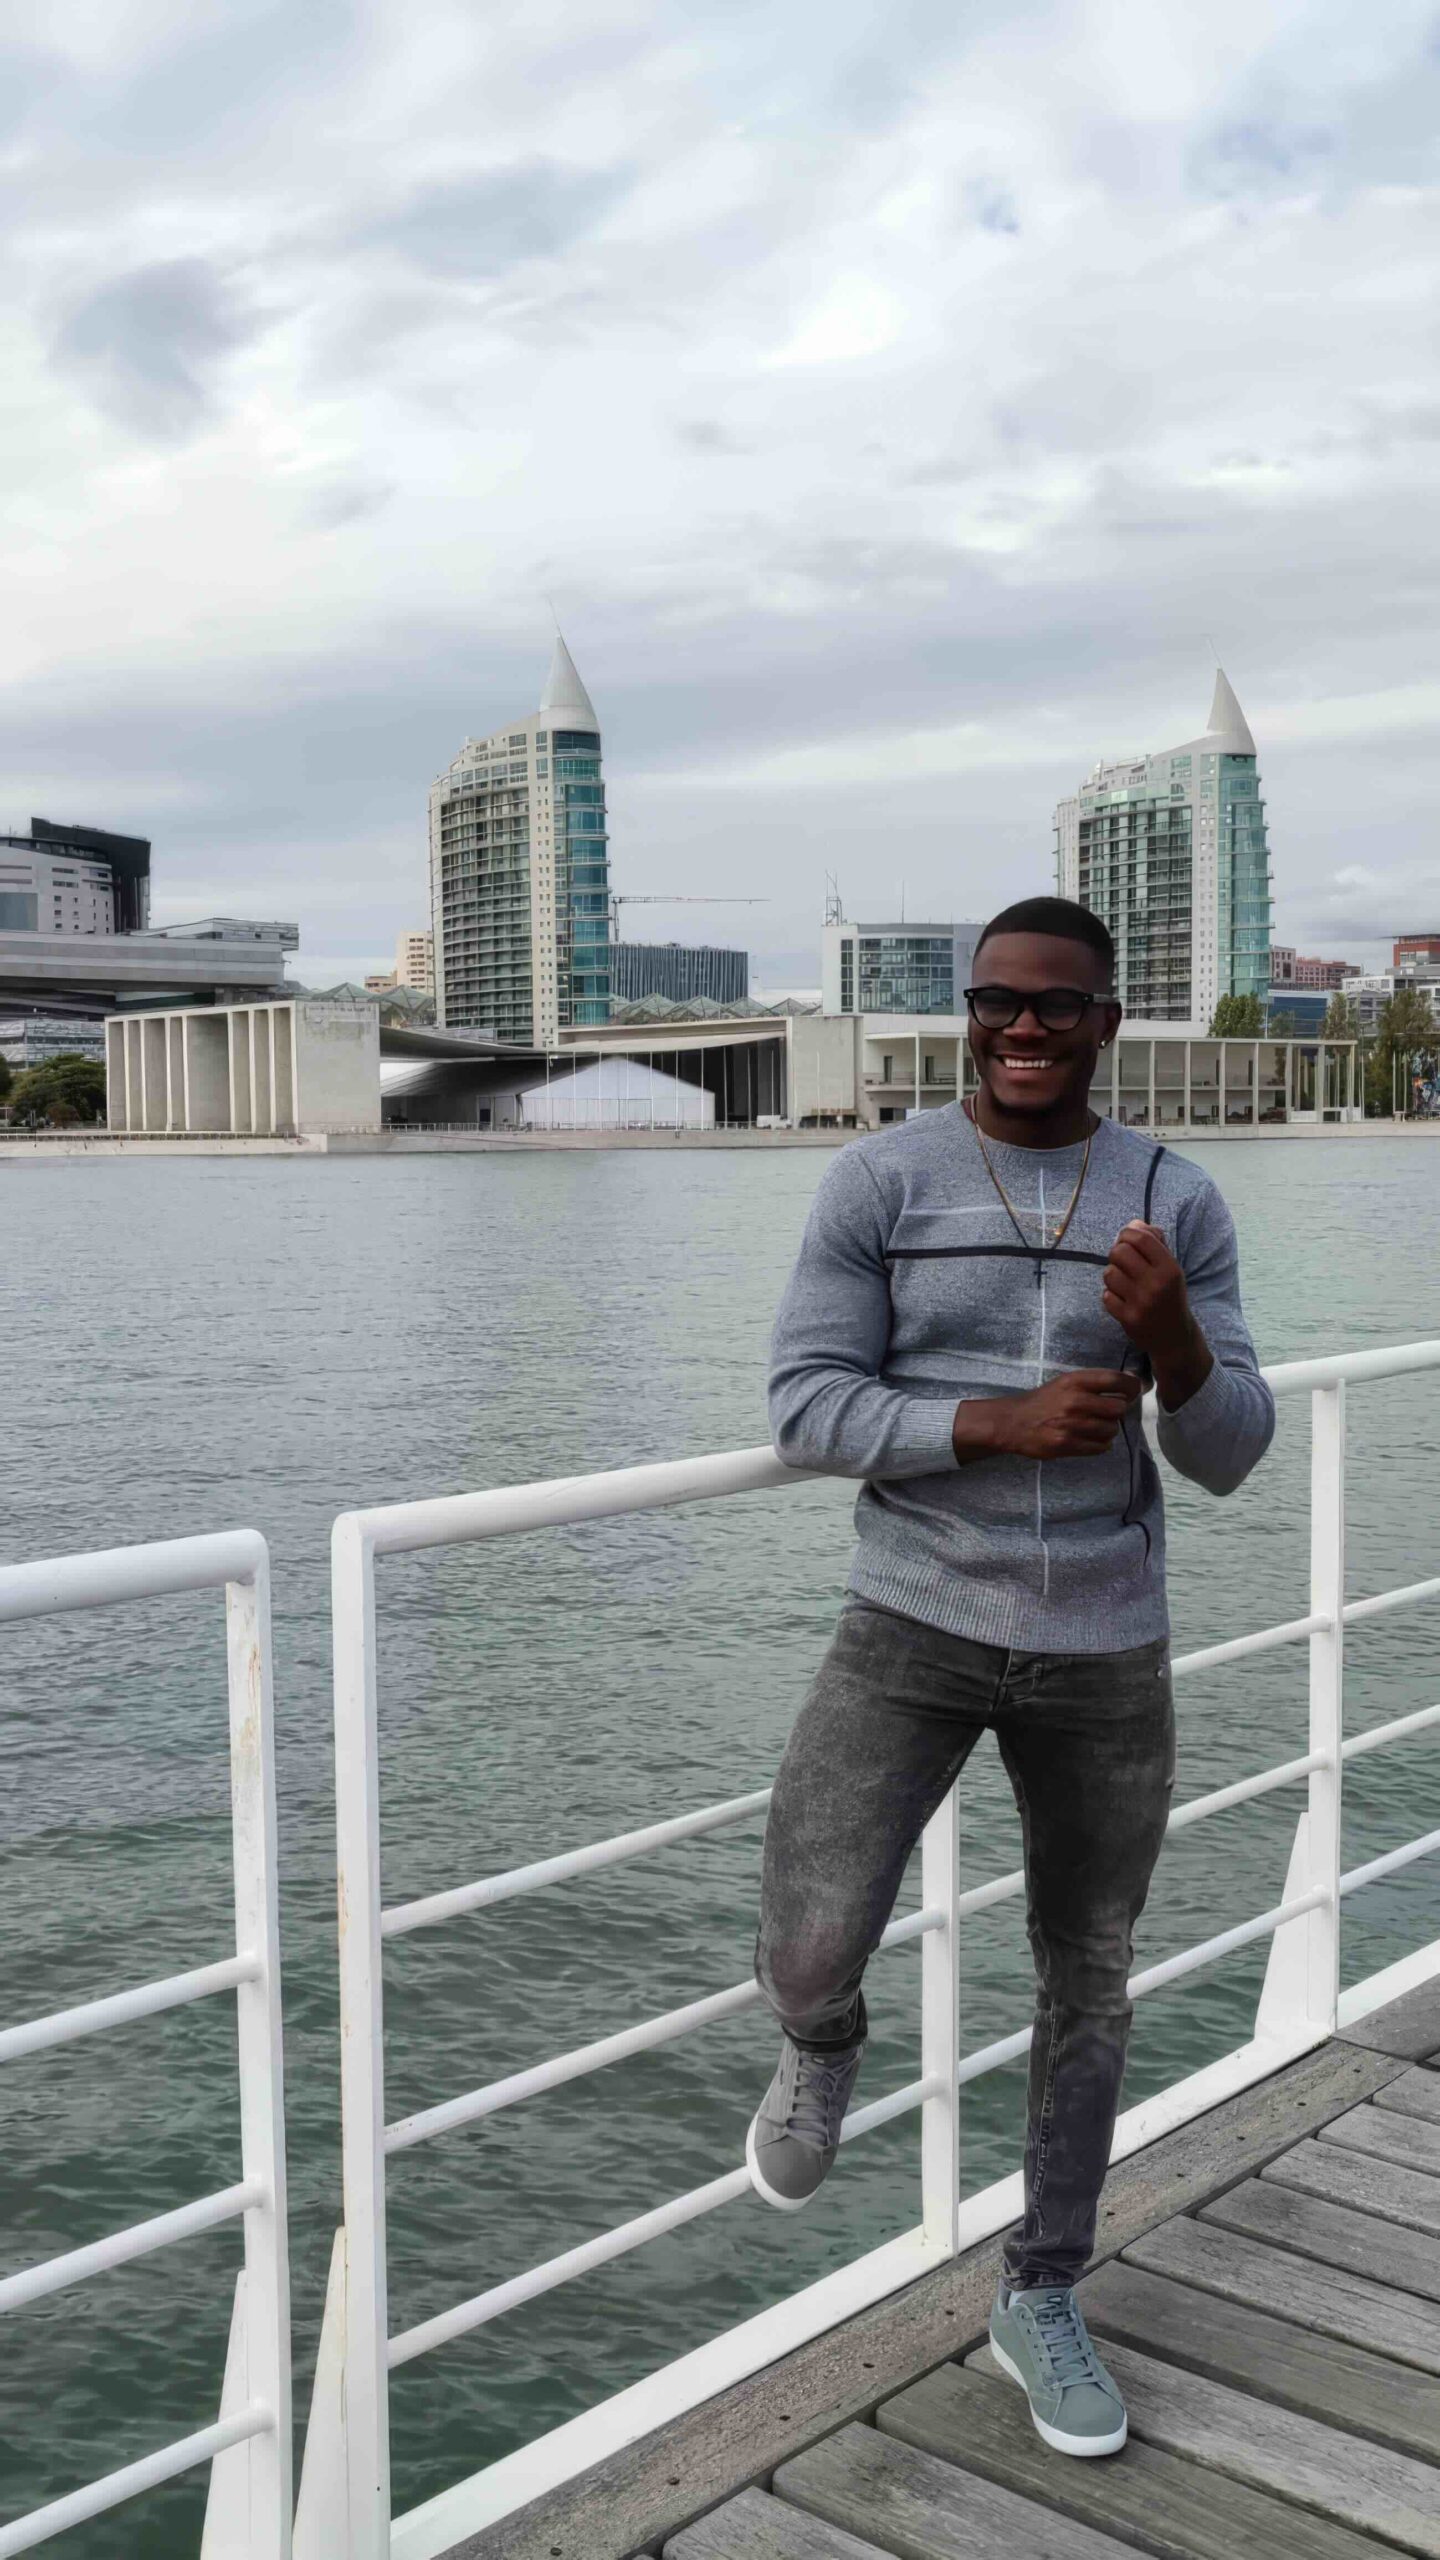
pixel 1341 2476
pixel 1150 2498
pixel 1415 2093
pixel 1229 2343
pixel 754 2527
pixel 923 2509
pixel 1338 2237
pixel 629 2502
pixel 1409 2027
pixel 1404 2140
pixel 1371 2186
pixel 1326 2299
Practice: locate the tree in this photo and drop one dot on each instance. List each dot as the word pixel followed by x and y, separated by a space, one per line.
pixel 71 1086
pixel 7 1077
pixel 1283 1026
pixel 1342 1019
pixel 1238 1018
pixel 1406 1035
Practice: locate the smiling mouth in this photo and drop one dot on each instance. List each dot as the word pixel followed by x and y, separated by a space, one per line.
pixel 1026 1066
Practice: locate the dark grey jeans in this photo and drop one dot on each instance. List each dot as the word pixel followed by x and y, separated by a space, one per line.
pixel 1088 1741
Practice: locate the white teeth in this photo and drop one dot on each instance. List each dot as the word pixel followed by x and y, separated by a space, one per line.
pixel 1027 1066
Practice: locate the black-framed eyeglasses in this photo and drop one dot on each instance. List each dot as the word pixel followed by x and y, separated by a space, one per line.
pixel 1056 1008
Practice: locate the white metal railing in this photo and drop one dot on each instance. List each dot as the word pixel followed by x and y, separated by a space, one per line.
pixel 249 2446
pixel 347 2459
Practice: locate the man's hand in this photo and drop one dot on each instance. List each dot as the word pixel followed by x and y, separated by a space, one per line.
pixel 1144 1289
pixel 1076 1416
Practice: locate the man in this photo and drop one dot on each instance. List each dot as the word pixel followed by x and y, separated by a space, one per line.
pixel 981 1297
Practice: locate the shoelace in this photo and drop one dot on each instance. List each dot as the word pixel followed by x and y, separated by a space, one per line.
pixel 1063 2336
pixel 817 2109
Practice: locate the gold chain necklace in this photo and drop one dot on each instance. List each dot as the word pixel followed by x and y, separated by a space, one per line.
pixel 1043 1253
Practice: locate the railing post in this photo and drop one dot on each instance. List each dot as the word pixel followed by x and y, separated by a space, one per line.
pixel 266 2459
pixel 940 2028
pixel 366 2381
pixel 1327 1701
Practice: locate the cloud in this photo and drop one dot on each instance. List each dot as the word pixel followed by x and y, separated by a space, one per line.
pixel 145 345
pixel 707 435
pixel 482 226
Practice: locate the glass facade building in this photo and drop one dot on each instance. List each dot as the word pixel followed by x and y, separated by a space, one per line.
pixel 896 968
pixel 519 873
pixel 1171 851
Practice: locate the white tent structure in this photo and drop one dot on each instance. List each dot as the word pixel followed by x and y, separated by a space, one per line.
pixel 617 1093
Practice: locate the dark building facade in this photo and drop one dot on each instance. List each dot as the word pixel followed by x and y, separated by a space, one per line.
pixel 678 970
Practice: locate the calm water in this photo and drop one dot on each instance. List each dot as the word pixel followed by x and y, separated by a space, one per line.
pixel 195 1345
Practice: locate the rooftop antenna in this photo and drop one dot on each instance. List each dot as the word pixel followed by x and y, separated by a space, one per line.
pixel 834 905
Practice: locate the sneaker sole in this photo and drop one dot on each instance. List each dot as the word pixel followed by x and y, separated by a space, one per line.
pixel 762 2186
pixel 1085 2447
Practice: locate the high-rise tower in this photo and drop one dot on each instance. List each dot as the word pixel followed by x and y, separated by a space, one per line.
pixel 519 873
pixel 1170 851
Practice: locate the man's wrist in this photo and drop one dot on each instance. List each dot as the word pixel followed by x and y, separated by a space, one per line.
pixel 1181 1369
pixel 978 1427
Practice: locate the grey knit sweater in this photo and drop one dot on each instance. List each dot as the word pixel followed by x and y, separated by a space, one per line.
pixel 913 1292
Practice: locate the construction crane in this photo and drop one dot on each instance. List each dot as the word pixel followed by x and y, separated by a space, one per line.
pixel 644 898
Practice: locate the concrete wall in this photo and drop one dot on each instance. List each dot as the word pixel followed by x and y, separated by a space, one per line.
pixel 337 1066
pixel 823 1073
pixel 207 1064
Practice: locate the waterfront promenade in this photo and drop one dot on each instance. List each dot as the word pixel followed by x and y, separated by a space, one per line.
pixel 47 1145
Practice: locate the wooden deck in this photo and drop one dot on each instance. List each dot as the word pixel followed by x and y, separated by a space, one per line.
pixel 1269 2302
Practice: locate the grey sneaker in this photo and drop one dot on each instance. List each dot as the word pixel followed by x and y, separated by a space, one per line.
pixel 796 2133
pixel 1040 2339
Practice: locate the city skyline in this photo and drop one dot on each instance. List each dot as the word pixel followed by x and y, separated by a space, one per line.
pixel 885 399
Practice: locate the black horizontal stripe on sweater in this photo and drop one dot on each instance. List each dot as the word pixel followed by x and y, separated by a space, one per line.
pixel 1008 1253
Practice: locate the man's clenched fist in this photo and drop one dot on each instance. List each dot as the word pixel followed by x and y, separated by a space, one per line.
pixel 1144 1289
pixel 1075 1416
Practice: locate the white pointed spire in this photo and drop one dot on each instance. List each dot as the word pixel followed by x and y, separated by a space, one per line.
pixel 1227 722
pixel 565 698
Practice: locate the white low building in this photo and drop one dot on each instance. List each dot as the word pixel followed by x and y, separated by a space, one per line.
pixel 617 1093
pixel 252 1071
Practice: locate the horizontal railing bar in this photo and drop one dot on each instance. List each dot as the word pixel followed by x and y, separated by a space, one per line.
pixel 1386 1866
pixel 1235 1648
pixel 1351 1368
pixel 484 2307
pixel 54 2274
pixel 109 1574
pixel 1380 1734
pixel 487 1890
pixel 564 1501
pixel 676 2023
pixel 1405 1595
pixel 643 2038
pixel 560 1502
pixel 136 2477
pixel 1210 1949
pixel 991 2057
pixel 38 2035
pixel 1286 1773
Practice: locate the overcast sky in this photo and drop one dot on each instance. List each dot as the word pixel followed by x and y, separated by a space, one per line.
pixel 900 405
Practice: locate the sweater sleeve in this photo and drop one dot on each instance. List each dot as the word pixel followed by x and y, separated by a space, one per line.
pixel 828 1408
pixel 1225 1428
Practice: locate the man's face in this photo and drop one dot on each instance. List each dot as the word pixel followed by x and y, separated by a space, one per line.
pixel 1031 1069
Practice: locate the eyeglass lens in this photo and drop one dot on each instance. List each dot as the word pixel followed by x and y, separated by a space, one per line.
pixel 1058 1008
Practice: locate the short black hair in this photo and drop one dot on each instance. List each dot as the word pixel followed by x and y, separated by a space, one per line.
pixel 1063 918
